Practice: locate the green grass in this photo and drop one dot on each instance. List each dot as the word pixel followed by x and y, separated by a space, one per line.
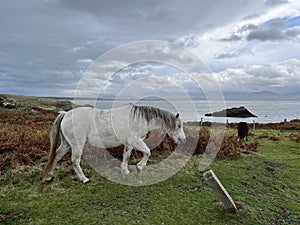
pixel 266 184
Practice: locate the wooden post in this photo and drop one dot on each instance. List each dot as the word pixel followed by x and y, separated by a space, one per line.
pixel 219 190
pixel 227 123
pixel 253 124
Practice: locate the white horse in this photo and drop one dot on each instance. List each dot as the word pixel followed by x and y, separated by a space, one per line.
pixel 127 125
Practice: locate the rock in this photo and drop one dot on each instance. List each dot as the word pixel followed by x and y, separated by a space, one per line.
pixel 35 112
pixel 241 112
pixel 9 103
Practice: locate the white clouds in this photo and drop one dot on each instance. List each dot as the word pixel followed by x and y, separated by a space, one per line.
pixel 282 77
pixel 68 35
pixel 78 48
pixel 273 34
pixel 88 61
pixel 190 41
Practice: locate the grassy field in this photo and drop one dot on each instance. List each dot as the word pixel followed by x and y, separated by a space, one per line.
pixel 265 183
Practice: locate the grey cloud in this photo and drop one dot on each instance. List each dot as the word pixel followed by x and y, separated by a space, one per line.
pixel 266 35
pixel 239 34
pixel 156 18
pixel 229 55
pixel 248 27
pixel 274 30
pixel 273 34
pixel 39 42
pixel 292 33
pixel 249 17
pixel 276 2
pixel 232 37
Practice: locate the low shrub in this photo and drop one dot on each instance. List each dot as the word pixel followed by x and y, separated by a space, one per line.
pixel 24 140
pixel 295 137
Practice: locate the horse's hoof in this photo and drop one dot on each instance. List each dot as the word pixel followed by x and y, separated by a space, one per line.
pixel 86 181
pixel 125 172
pixel 138 170
pixel 47 180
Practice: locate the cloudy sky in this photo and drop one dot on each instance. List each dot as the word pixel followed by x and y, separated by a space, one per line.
pixel 47 45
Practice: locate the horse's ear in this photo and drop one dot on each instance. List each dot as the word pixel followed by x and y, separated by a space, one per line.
pixel 177 115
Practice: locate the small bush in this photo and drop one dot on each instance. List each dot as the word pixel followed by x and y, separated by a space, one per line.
pixel 230 146
pixel 295 137
pixel 24 139
pixel 274 138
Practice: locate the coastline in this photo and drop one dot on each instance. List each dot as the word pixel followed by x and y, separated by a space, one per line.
pixel 67 103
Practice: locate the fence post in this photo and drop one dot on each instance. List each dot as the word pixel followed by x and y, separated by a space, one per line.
pixel 253 124
pixel 219 190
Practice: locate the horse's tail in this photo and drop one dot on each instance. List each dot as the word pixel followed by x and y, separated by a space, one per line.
pixel 54 133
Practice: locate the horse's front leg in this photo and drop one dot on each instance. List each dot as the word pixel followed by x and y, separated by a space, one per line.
pixel 141 146
pixel 124 164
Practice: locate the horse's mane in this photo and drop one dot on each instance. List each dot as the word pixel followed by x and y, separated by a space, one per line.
pixel 148 113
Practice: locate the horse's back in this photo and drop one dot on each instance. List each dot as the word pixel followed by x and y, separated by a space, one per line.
pixel 78 116
pixel 101 128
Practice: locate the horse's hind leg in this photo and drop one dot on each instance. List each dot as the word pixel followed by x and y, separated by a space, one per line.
pixel 60 152
pixel 76 155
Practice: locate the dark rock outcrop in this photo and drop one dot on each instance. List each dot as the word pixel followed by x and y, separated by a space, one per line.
pixel 9 103
pixel 240 112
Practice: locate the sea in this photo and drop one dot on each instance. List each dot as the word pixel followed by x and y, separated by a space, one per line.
pixel 195 109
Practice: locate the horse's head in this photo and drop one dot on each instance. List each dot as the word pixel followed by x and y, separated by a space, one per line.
pixel 178 133
pixel 160 119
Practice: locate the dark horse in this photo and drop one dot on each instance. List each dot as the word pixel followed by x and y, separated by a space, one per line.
pixel 243 130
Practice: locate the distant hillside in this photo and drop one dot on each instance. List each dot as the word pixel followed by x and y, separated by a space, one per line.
pixel 260 95
pixel 43 103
